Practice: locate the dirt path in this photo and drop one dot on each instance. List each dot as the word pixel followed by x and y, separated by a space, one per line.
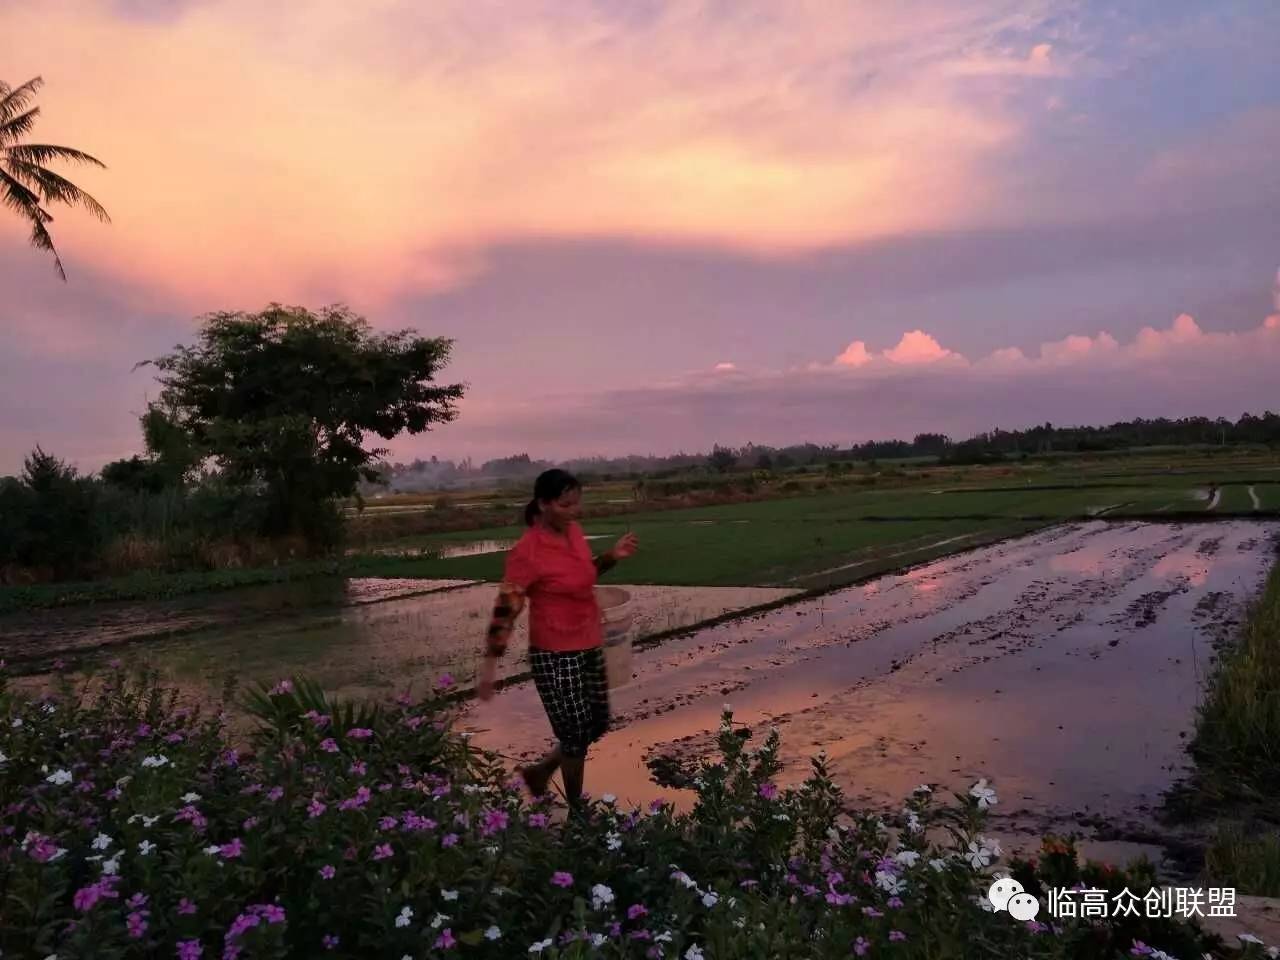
pixel 1066 665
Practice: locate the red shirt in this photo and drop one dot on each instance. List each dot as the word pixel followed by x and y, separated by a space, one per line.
pixel 558 575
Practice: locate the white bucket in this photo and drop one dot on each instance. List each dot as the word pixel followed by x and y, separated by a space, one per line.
pixel 615 618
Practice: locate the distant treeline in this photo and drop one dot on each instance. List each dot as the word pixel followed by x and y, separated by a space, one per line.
pixel 985 447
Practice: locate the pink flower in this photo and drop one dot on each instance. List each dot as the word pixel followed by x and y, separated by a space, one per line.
pixel 861 946
pixel 315 808
pixel 445 941
pixel 562 879
pixel 387 823
pixel 383 851
pixel 329 941
pixel 358 768
pixel 327 872
pixel 232 850
pixel 449 840
pixel 329 745
pixel 137 924
pixel 492 821
pixel 637 910
pixel 359 733
pixel 362 797
pixel 275 793
pixel 538 820
pixel 185 907
pixel 768 791
pixel 284 686
pixel 445 681
pixel 249 824
pixel 897 935
pixel 189 950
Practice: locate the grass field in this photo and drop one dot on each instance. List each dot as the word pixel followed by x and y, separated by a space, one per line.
pixel 869 518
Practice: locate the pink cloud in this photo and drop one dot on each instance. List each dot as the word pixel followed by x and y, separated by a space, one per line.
pixel 854 355
pixel 916 347
pixel 1078 346
pixel 725 367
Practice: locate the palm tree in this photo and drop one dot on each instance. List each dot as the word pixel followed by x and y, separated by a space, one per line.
pixel 25 181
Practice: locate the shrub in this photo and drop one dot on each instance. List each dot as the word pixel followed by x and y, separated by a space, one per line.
pixel 138 828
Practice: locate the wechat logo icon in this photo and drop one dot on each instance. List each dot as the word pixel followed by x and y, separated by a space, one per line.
pixel 1007 894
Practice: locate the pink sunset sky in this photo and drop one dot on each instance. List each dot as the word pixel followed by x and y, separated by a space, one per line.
pixel 654 226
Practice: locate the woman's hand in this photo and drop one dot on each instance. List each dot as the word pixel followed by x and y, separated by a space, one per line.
pixel 486 678
pixel 625 547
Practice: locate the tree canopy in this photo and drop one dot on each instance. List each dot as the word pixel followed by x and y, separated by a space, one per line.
pixel 282 402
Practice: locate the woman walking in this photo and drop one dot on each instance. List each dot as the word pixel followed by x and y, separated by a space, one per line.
pixel 552 568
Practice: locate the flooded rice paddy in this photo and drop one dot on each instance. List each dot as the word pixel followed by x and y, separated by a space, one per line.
pixel 1066 665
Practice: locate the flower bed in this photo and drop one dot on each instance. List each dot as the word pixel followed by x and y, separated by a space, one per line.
pixel 136 828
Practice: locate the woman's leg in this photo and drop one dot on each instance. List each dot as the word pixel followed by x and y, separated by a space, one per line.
pixel 536 776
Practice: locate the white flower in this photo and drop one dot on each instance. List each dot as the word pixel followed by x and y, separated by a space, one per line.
pixel 405 917
pixel 923 789
pixel 938 864
pixel 96 858
pixel 101 842
pixel 982 792
pixel 598 939
pixel 111 867
pixel 145 848
pixel 613 841
pixel 782 817
pixel 123 782
pixel 59 777
pixel 600 895
pixel 978 856
pixel 191 798
pixel 992 845
pixel 156 760
pixel 609 798
pixel 17 722
pixel 449 894
pixel 710 899
pixel 739 923
pixel 693 953
pixel 439 920
pixel 407 957
pixel 1249 938
pixel 493 933
pixel 681 877
pixel 492 850
pixel 908 858
pixel 470 788
pixel 539 946
pixel 49 709
pixel 913 823
pixel 213 849
pixel 134 819
pixel 663 937
pixel 149 821
pixel 985 904
pixel 3 758
pixel 57 854
pixel 889 883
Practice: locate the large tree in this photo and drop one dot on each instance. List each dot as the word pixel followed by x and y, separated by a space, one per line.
pixel 27 185
pixel 281 402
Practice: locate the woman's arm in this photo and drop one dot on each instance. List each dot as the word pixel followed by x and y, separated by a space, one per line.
pixel 505 611
pixel 605 562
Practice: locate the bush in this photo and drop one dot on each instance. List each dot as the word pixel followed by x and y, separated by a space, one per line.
pixel 135 828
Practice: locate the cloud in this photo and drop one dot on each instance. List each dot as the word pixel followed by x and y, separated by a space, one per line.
pixel 1172 371
pixel 854 355
pixel 725 367
pixel 915 347
pixel 325 150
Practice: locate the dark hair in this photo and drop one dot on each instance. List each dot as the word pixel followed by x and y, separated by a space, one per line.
pixel 550 485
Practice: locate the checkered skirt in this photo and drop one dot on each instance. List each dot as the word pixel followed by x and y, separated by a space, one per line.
pixel 575 694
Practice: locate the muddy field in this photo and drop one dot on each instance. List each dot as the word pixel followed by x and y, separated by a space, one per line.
pixel 359 637
pixel 1066 666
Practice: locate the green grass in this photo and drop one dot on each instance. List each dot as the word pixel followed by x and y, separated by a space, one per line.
pixel 1246 857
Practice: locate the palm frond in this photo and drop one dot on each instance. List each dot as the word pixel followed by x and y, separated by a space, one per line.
pixel 56 188
pixel 18 197
pixel 14 100
pixel 14 127
pixel 45 152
